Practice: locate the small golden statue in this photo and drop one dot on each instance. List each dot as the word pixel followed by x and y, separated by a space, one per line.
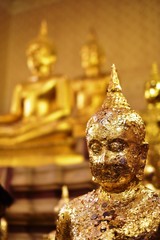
pixel 3 229
pixel 94 82
pixel 151 117
pixel 40 108
pixel 64 199
pixel 121 208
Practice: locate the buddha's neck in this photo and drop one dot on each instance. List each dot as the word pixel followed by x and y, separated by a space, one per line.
pixel 128 193
pixel 45 71
pixel 39 77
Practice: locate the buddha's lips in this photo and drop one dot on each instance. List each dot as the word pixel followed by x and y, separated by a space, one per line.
pixel 111 171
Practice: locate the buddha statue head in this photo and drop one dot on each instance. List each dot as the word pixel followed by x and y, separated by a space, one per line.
pixel 115 139
pixel 41 54
pixel 152 87
pixel 92 56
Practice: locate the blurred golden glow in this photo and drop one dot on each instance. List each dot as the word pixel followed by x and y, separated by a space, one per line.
pixel 151 116
pixel 3 229
pixel 92 56
pixel 39 113
pixel 89 90
pixel 41 54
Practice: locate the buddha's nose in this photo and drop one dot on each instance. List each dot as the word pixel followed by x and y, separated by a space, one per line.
pixel 108 156
pixel 102 158
pixel 105 158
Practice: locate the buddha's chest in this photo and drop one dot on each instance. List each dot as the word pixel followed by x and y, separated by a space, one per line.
pixel 107 222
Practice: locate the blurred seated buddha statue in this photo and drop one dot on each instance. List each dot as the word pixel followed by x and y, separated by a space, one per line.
pixel 151 117
pixel 40 101
pixel 94 82
pixel 121 207
pixel 40 106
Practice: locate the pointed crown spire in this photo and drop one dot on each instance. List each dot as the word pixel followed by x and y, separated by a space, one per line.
pixel 42 40
pixel 115 97
pixel 116 111
pixel 154 73
pixel 43 29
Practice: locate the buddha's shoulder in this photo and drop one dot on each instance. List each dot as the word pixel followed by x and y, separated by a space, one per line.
pixel 80 202
pixel 149 193
pixel 149 198
pixel 88 197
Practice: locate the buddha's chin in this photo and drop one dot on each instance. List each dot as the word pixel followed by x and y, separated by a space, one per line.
pixel 115 184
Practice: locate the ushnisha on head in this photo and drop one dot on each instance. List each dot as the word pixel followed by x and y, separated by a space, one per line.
pixel 115 139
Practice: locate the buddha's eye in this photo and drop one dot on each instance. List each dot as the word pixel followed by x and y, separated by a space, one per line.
pixel 96 147
pixel 117 145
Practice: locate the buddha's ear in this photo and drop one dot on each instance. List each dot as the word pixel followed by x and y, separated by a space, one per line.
pixel 142 161
pixel 144 150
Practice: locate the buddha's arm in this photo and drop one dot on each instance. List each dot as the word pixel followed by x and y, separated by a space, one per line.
pixel 49 125
pixel 16 104
pixel 28 129
pixel 16 108
pixel 64 94
pixel 63 227
pixel 63 109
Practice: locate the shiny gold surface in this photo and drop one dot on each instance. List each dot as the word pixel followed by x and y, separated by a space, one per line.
pixel 89 89
pixel 39 112
pixel 151 116
pixel 121 208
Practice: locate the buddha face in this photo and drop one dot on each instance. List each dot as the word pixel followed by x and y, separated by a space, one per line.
pixel 40 59
pixel 116 153
pixel 92 59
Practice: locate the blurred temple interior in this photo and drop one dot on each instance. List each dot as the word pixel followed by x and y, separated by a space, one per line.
pixel 45 104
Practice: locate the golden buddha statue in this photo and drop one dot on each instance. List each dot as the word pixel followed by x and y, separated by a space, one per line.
pixel 93 83
pixel 151 117
pixel 42 100
pixel 40 106
pixel 121 208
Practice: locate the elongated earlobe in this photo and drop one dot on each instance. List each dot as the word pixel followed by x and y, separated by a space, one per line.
pixel 143 155
pixel 144 150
